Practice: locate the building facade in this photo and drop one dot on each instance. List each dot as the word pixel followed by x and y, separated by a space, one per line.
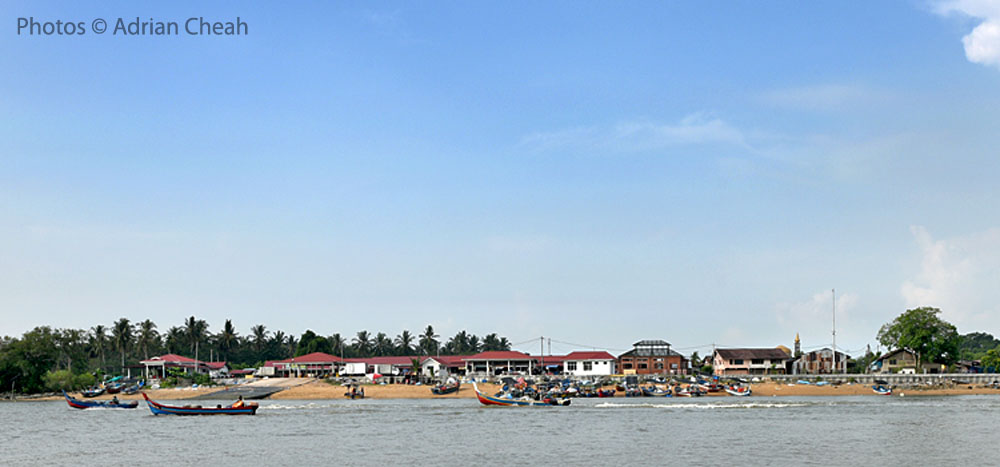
pixel 820 362
pixel 588 364
pixel 749 362
pixel 651 357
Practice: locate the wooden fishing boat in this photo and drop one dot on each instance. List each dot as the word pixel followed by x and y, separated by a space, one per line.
pixel 81 404
pixel 249 408
pixel 505 402
pixel 92 392
pixel 740 391
pixel 654 391
pixel 882 390
pixel 443 389
pixel 606 393
pixel 690 391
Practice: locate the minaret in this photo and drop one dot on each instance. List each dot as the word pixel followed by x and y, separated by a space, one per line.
pixel 798 346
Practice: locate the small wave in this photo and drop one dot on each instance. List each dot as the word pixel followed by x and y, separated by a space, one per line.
pixel 748 405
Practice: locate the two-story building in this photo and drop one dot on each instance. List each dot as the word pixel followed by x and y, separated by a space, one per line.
pixel 819 362
pixel 652 357
pixel 749 362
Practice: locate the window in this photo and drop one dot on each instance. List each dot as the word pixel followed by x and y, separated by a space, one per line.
pixel 626 365
pixel 643 365
pixel 673 366
pixel 570 366
pixel 587 366
pixel 738 361
pixel 757 361
pixel 658 366
pixel 892 362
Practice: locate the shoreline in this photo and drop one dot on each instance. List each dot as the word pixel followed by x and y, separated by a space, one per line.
pixel 320 390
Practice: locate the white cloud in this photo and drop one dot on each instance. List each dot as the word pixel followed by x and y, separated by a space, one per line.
pixel 982 45
pixel 958 275
pixel 822 97
pixel 695 129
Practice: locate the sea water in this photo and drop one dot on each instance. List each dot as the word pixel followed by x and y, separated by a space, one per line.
pixel 712 431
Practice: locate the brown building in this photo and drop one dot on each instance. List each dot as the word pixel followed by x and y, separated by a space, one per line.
pixel 652 357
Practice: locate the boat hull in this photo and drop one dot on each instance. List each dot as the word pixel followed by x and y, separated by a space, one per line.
pixel 502 402
pixel 442 390
pixel 80 404
pixel 160 409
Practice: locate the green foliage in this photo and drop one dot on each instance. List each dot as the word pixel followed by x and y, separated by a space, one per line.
pixel 707 369
pixel 922 332
pixel 84 380
pixel 973 346
pixel 202 379
pixel 991 360
pixel 310 342
pixel 59 380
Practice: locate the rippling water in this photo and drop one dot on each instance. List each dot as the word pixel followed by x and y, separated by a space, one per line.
pixel 716 431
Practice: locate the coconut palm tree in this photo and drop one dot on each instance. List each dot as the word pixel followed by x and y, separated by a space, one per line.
pixel 259 337
pixel 147 337
pixel 197 332
pixel 382 344
pixel 121 336
pixel 337 343
pixel 363 343
pixel 429 341
pixel 227 339
pixel 404 343
pixel 98 341
pixel 175 340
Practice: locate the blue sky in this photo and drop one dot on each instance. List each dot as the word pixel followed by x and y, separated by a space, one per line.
pixel 598 173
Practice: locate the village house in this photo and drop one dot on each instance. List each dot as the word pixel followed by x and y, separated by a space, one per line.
pixel 819 362
pixel 442 367
pixel 652 357
pixel 904 361
pixel 749 362
pixel 316 364
pixel 581 363
pixel 500 362
pixel 156 367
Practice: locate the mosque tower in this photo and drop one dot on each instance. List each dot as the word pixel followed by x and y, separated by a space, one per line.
pixel 798 346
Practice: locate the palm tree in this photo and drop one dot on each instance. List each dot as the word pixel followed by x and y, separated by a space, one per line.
pixel 363 343
pixel 259 337
pixel 227 339
pixel 474 345
pixel 504 344
pixel 383 344
pixel 98 341
pixel 176 340
pixel 404 343
pixel 147 336
pixel 197 331
pixel 337 343
pixel 121 336
pixel 491 342
pixel 429 341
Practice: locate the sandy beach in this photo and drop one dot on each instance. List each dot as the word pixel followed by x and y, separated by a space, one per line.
pixel 317 389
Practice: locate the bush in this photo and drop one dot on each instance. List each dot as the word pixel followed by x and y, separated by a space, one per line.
pixel 202 380
pixel 84 380
pixel 60 380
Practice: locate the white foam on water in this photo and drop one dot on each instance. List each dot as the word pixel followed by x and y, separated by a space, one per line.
pixel 748 405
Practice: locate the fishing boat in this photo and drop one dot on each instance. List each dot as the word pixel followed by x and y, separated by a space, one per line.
pixel 92 392
pixel 689 391
pixel 606 393
pixel 249 408
pixel 653 391
pixel 80 404
pixel 449 388
pixel 521 402
pixel 740 391
pixel 882 390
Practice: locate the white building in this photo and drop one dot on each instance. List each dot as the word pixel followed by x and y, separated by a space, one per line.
pixel 589 364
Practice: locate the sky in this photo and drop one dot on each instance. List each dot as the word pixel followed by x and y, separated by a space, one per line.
pixel 597 173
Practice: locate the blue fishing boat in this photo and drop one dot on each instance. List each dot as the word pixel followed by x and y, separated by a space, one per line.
pixel 249 408
pixel 112 404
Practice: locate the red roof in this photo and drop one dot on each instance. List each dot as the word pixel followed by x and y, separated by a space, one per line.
pixel 214 365
pixel 386 360
pixel 580 355
pixel 170 358
pixel 500 355
pixel 451 360
pixel 315 357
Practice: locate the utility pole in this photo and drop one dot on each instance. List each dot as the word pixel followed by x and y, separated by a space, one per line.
pixel 541 345
pixel 834 293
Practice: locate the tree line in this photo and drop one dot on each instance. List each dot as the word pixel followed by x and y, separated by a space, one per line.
pixel 27 363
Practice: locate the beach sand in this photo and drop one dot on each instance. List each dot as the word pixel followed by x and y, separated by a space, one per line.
pixel 317 389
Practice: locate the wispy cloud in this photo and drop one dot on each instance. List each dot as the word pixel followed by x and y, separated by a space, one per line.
pixel 821 97
pixel 634 136
pixel 958 275
pixel 813 318
pixel 982 45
